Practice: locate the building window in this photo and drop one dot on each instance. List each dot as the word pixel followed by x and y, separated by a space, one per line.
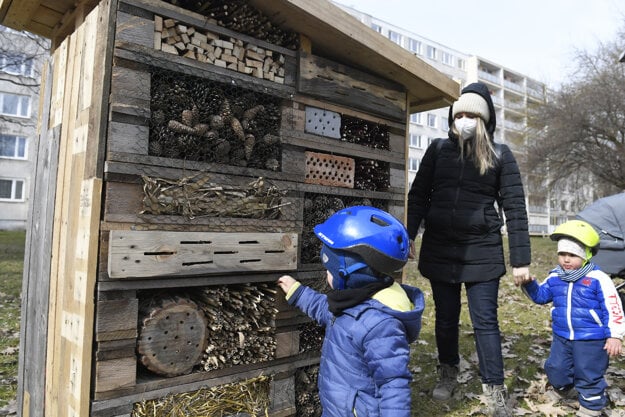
pixel 460 63
pixel 16 64
pixel 14 105
pixel 447 58
pixel 12 146
pixel 11 189
pixel 416 141
pixel 413 164
pixel 414 46
pixel 416 118
pixel 431 52
pixel 395 37
pixel 444 124
pixel 377 28
pixel 431 120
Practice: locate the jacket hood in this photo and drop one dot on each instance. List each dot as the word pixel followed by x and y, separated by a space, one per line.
pixel 411 319
pixel 482 90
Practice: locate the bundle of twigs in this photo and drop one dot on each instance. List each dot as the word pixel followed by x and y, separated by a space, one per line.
pixel 250 397
pixel 372 175
pixel 317 208
pixel 307 393
pixel 241 324
pixel 195 196
pixel 365 133
pixel 311 337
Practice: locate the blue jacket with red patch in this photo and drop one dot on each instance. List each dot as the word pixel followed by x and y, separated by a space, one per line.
pixel 587 309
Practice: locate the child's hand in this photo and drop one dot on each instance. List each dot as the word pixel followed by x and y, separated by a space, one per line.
pixel 525 280
pixel 412 253
pixel 613 346
pixel 286 282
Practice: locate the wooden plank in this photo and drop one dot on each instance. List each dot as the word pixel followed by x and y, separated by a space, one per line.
pixel 293 162
pixel 287 344
pixel 156 253
pixel 35 290
pixel 46 17
pixel 114 349
pixel 115 373
pixel 128 138
pixel 123 198
pixel 340 84
pixel 106 284
pixel 282 393
pixel 398 177
pixel 19 17
pixel 130 91
pixel 62 100
pixel 116 319
pixel 77 217
pixel 134 29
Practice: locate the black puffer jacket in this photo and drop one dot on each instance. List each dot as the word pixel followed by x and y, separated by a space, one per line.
pixel 462 241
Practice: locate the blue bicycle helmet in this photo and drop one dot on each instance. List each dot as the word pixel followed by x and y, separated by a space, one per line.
pixel 358 237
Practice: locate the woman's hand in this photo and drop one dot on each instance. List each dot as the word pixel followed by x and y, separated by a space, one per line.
pixel 521 275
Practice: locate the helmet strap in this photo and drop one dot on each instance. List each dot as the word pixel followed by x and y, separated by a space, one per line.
pixel 345 272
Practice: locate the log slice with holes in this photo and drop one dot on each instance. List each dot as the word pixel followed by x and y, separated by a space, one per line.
pixel 172 335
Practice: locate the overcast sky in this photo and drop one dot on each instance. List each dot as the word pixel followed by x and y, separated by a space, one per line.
pixel 534 37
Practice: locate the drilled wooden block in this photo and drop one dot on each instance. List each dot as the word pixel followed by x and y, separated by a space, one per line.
pixel 324 169
pixel 172 337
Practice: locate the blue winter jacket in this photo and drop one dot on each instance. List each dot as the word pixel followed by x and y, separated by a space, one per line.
pixel 365 354
pixel 587 309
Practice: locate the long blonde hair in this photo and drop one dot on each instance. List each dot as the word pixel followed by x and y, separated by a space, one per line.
pixel 480 149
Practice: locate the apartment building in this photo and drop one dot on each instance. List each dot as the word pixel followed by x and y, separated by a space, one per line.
pixel 513 94
pixel 21 58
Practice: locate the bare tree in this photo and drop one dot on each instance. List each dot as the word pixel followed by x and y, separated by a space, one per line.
pixel 25 51
pixel 581 129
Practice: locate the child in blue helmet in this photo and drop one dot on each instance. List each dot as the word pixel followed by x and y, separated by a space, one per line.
pixel 369 319
pixel 587 318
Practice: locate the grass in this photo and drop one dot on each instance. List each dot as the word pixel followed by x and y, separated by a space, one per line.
pixel 526 338
pixel 11 268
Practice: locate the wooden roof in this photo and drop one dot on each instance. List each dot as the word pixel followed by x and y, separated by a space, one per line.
pixel 332 32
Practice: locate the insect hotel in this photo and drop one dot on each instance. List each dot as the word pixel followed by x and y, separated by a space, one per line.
pixel 186 150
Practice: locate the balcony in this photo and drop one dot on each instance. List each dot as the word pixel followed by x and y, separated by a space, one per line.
pixel 489 77
pixel 511 85
pixel 514 105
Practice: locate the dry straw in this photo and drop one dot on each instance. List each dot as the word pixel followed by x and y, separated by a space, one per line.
pixel 250 397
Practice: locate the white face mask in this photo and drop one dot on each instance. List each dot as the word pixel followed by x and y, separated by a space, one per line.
pixel 466 127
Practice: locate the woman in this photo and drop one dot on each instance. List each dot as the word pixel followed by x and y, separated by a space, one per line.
pixel 454 193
